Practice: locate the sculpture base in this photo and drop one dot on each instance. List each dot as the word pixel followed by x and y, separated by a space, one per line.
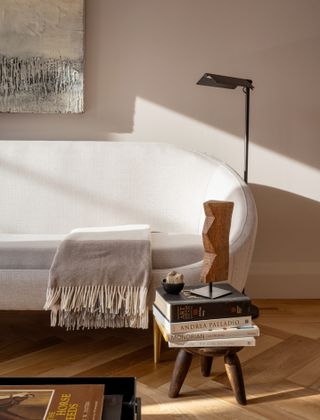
pixel 210 292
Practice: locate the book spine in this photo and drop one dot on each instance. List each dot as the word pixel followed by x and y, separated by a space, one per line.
pixel 197 311
pixel 212 334
pixel 227 342
pixel 209 324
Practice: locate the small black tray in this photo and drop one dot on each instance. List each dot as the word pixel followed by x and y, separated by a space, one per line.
pixel 126 386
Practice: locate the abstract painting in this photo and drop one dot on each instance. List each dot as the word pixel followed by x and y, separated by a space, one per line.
pixel 41 56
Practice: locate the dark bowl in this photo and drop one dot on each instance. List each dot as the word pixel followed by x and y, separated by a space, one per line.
pixel 173 288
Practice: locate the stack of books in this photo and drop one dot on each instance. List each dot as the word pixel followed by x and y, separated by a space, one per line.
pixel 187 320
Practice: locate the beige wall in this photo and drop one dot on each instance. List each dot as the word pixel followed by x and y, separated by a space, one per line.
pixel 143 58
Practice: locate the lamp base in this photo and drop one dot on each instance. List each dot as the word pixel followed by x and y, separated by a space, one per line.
pixel 210 292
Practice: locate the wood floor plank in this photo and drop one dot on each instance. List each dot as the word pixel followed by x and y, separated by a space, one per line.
pixel 125 365
pixel 308 374
pixel 263 343
pixel 93 359
pixel 294 325
pixel 281 360
pixel 272 332
pixel 283 399
pixel 191 401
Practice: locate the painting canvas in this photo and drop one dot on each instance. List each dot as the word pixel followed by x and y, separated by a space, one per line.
pixel 41 56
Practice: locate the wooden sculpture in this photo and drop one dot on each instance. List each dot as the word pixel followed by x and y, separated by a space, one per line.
pixel 215 237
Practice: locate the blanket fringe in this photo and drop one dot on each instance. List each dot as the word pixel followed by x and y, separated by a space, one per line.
pixel 101 306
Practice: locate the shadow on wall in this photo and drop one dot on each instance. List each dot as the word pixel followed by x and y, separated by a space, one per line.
pixel 158 50
pixel 287 245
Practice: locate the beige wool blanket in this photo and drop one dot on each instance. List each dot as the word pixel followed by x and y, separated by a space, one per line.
pixel 100 278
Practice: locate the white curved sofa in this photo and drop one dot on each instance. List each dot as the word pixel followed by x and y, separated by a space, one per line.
pixel 51 187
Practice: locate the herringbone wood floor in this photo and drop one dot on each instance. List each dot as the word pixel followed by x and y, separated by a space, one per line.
pixel 282 373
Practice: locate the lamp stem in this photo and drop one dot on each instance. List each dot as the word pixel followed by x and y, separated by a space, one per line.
pixel 246 138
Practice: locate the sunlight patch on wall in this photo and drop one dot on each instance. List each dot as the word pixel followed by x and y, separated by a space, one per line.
pixel 155 123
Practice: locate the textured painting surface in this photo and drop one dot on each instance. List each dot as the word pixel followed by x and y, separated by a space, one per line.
pixel 41 56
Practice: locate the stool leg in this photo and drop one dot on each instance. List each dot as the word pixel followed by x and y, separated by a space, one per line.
pixel 234 372
pixel 157 337
pixel 180 371
pixel 206 364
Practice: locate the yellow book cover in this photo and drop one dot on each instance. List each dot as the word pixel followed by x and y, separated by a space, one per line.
pixel 51 402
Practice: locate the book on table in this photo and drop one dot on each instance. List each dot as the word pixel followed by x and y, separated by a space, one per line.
pixel 200 325
pixel 52 402
pixel 187 307
pixel 216 342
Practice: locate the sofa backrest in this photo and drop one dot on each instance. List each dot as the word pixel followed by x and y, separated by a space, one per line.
pixel 56 186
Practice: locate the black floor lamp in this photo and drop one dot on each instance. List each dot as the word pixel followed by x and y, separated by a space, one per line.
pixel 215 80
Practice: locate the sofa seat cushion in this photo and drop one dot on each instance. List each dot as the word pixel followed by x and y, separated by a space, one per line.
pixel 24 251
pixel 21 252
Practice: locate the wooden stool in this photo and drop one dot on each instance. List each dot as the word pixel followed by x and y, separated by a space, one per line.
pixel 231 362
pixel 184 359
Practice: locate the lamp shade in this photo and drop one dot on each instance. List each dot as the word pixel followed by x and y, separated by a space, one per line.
pixel 215 80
